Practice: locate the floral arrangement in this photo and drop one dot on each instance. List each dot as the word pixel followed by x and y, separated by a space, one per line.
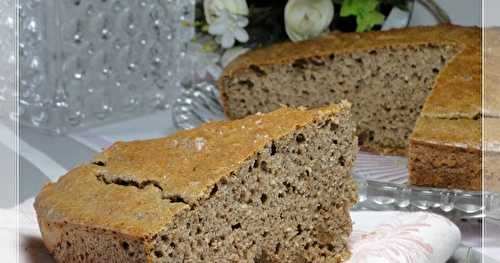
pixel 229 28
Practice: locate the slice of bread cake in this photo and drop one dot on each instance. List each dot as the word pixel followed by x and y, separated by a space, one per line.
pixel 270 187
pixel 387 76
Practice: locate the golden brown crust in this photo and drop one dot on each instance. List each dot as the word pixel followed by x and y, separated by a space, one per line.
pixel 457 92
pixel 461 133
pixel 345 43
pixel 457 82
pixel 74 199
pixel 137 188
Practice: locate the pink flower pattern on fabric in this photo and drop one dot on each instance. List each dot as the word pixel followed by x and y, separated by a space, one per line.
pixel 395 242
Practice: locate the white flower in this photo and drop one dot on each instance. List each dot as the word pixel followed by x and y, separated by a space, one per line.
pixel 231 54
pixel 305 19
pixel 214 8
pixel 229 28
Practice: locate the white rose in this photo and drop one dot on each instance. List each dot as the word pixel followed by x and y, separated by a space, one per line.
pixel 213 8
pixel 228 28
pixel 305 19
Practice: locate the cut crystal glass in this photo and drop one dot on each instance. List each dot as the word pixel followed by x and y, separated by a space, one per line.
pixel 87 62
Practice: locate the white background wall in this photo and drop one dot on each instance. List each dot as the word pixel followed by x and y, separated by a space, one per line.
pixel 492 12
pixel 462 12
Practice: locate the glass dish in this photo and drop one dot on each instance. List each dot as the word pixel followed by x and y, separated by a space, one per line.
pixel 382 180
pixel 86 62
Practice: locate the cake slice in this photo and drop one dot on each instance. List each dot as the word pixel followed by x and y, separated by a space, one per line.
pixel 270 187
pixel 429 76
pixel 387 76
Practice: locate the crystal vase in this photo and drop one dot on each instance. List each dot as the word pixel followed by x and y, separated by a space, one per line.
pixel 85 62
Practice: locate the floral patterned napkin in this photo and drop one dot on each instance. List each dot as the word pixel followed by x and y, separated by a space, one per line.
pixel 402 237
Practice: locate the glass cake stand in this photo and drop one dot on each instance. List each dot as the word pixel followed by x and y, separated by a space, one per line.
pixel 382 180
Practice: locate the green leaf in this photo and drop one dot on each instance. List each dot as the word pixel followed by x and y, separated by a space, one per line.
pixel 365 11
pixel 368 21
pixel 356 7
